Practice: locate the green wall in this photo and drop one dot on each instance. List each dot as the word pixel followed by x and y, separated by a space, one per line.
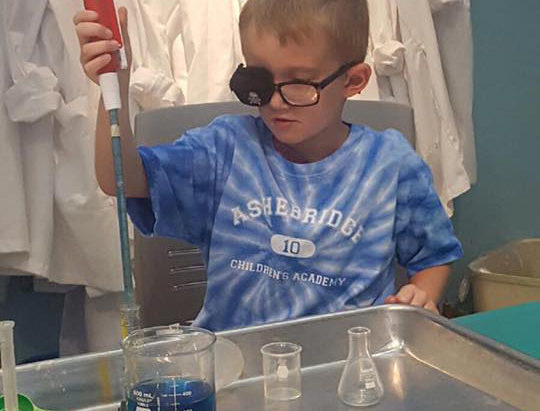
pixel 505 203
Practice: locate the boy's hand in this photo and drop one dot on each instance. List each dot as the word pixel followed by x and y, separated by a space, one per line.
pixel 412 295
pixel 97 43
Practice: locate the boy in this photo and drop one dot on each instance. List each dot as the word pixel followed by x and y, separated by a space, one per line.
pixel 297 213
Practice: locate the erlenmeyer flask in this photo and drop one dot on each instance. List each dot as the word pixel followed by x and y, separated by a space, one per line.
pixel 360 384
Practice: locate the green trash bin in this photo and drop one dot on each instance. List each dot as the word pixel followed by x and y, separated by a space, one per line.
pixel 507 276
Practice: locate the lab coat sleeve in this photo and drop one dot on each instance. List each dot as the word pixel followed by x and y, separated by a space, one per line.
pixel 452 20
pixel 387 51
pixel 154 90
pixel 152 83
pixel 424 234
pixel 30 100
pixel 14 235
pixel 34 93
pixel 33 96
pixel 437 138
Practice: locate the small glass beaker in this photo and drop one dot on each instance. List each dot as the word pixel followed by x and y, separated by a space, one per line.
pixel 360 384
pixel 281 370
pixel 170 368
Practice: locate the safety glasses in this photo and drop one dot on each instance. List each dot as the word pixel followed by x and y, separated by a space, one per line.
pixel 254 86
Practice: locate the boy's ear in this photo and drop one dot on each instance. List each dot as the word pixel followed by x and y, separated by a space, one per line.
pixel 357 79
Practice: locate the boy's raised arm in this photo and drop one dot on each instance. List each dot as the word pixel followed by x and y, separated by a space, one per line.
pixel 96 48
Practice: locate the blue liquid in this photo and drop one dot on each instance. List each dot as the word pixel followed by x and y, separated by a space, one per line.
pixel 172 394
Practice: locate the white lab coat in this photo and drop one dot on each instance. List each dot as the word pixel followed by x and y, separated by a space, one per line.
pixel 454 33
pixel 13 221
pixel 71 220
pixel 184 51
pixel 438 139
pixel 212 49
pixel 387 52
pixel 30 102
pixel 152 81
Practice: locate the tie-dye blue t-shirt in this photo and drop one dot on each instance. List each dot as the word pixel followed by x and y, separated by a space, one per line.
pixel 283 240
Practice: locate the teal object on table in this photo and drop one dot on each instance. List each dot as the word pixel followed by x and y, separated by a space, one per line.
pixel 517 326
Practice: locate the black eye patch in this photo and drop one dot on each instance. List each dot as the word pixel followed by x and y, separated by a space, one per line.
pixel 254 86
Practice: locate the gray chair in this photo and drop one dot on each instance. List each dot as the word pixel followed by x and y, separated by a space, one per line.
pixel 170 275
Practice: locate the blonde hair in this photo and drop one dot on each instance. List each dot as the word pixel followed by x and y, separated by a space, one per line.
pixel 345 22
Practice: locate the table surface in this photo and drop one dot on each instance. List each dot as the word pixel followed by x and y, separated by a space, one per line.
pixel 422 353
pixel 517 326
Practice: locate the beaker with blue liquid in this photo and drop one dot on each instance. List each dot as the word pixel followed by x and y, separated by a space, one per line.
pixel 170 368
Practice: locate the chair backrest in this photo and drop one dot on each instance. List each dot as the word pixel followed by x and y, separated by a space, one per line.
pixel 167 124
pixel 170 275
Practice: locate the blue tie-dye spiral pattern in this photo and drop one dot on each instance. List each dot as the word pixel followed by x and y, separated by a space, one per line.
pixel 375 180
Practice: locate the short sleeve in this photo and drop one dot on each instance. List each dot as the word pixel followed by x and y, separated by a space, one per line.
pixel 424 234
pixel 185 181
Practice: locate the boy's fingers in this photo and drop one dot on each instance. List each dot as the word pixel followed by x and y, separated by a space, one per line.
pixel 430 305
pixel 414 296
pixel 93 66
pixel 391 299
pixel 419 298
pixel 85 15
pixel 405 294
pixel 88 30
pixel 91 50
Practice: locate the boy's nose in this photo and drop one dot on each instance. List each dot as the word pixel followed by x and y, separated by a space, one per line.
pixel 277 102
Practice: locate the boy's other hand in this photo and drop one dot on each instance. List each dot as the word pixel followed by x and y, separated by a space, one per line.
pixel 97 42
pixel 411 294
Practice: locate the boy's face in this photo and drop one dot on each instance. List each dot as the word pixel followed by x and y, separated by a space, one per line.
pixel 312 60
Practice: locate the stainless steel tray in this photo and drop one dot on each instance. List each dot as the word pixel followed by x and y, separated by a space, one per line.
pixel 425 361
